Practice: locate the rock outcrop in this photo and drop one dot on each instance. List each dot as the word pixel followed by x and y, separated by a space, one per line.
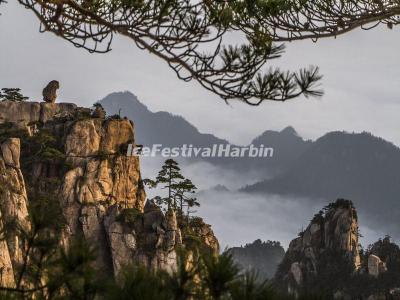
pixel 383 256
pixel 50 91
pixel 99 188
pixel 149 238
pixel 331 235
pixel 13 197
pixel 376 266
pixel 325 260
pixel 24 113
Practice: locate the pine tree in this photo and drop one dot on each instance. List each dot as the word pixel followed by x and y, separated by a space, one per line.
pixel 184 196
pixel 179 190
pixel 12 94
pixel 50 271
pixel 178 32
pixel 190 37
pixel 170 177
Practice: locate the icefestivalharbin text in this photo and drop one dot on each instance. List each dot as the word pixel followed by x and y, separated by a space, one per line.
pixel 216 150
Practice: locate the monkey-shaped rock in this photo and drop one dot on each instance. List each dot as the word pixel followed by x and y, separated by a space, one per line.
pixel 50 91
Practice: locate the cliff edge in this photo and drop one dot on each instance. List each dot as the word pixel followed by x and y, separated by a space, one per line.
pixel 78 159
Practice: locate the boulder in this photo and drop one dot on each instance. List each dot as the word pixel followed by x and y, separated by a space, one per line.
pixel 50 91
pixel 395 293
pixel 375 265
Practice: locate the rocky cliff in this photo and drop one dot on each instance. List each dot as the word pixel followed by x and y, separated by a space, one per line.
pixel 78 159
pixel 329 243
pixel 24 113
pixel 13 204
pixel 326 260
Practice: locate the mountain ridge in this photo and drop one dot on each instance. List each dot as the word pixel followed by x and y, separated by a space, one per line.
pixel 129 104
pixel 357 166
pixel 173 131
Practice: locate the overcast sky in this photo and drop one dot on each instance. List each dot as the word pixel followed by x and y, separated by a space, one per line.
pixel 361 81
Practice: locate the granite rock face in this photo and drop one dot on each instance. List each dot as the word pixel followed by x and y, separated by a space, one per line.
pixel 325 258
pixel 376 266
pixel 31 112
pixel 334 233
pixel 6 267
pixel 150 239
pixel 383 256
pixel 99 188
pixel 13 196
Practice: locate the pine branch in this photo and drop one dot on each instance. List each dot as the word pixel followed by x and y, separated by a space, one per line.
pixel 179 32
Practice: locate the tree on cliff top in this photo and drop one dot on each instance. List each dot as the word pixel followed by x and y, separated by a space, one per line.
pixel 12 94
pixel 179 189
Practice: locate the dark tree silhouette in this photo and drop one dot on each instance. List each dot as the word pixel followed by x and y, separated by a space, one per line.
pixel 49 270
pixel 179 189
pixel 190 36
pixel 12 94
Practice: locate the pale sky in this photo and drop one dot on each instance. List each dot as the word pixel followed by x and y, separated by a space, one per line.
pixel 361 81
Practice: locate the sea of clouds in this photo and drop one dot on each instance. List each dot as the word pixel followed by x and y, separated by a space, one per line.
pixel 238 218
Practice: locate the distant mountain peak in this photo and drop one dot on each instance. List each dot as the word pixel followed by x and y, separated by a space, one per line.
pixel 156 127
pixel 289 130
pixel 173 131
pixel 220 188
pixel 124 98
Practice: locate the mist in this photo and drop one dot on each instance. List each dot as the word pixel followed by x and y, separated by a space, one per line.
pixel 238 218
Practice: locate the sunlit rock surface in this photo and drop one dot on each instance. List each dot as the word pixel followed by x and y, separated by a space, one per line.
pixel 97 186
